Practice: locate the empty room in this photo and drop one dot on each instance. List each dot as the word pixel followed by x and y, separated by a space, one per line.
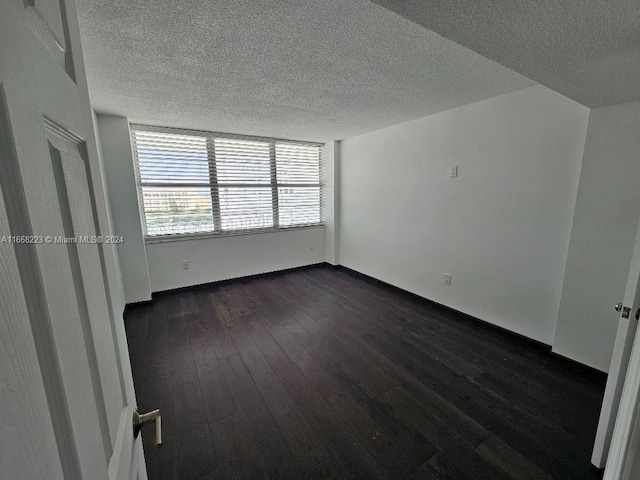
pixel 285 239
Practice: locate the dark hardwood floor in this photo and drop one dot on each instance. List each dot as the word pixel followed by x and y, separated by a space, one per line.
pixel 319 374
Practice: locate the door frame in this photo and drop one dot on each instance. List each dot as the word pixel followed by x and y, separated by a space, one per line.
pixel 618 464
pixel 627 326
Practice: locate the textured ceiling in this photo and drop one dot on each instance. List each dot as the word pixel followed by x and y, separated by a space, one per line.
pixel 588 50
pixel 299 69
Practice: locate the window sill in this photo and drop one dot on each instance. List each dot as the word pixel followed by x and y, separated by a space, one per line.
pixel 149 240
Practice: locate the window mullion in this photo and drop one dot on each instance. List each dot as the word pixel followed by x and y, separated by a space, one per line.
pixel 213 181
pixel 274 184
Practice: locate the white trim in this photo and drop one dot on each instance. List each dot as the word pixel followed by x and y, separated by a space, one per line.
pixel 53 127
pixel 179 237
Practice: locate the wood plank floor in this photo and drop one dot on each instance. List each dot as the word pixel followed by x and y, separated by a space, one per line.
pixel 319 374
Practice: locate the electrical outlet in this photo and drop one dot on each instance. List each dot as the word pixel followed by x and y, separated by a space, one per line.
pixel 453 171
pixel 185 264
pixel 447 279
pixel 312 247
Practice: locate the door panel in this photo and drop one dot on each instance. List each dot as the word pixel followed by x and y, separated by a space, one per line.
pixel 71 394
pixel 23 395
pixel 623 463
pixel 44 18
pixel 50 16
pixel 619 361
pixel 70 184
pixel 75 202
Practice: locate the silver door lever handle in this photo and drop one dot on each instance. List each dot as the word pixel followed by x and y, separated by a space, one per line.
pixel 618 307
pixel 142 419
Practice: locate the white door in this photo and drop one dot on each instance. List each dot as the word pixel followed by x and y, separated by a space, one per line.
pixel 65 381
pixel 627 327
pixel 624 456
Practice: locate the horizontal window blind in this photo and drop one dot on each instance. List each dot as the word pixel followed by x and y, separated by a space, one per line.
pixel 207 183
pixel 298 178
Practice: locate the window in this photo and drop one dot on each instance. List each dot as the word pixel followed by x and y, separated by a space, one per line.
pixel 193 183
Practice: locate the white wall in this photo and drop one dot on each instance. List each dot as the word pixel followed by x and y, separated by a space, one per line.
pixel 117 156
pixel 501 229
pixel 331 200
pixel 222 258
pixel 116 287
pixel 604 227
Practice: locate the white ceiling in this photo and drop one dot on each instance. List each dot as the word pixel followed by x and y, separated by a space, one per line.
pixel 299 69
pixel 588 50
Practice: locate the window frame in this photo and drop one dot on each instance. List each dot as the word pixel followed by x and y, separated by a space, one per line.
pixel 214 187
